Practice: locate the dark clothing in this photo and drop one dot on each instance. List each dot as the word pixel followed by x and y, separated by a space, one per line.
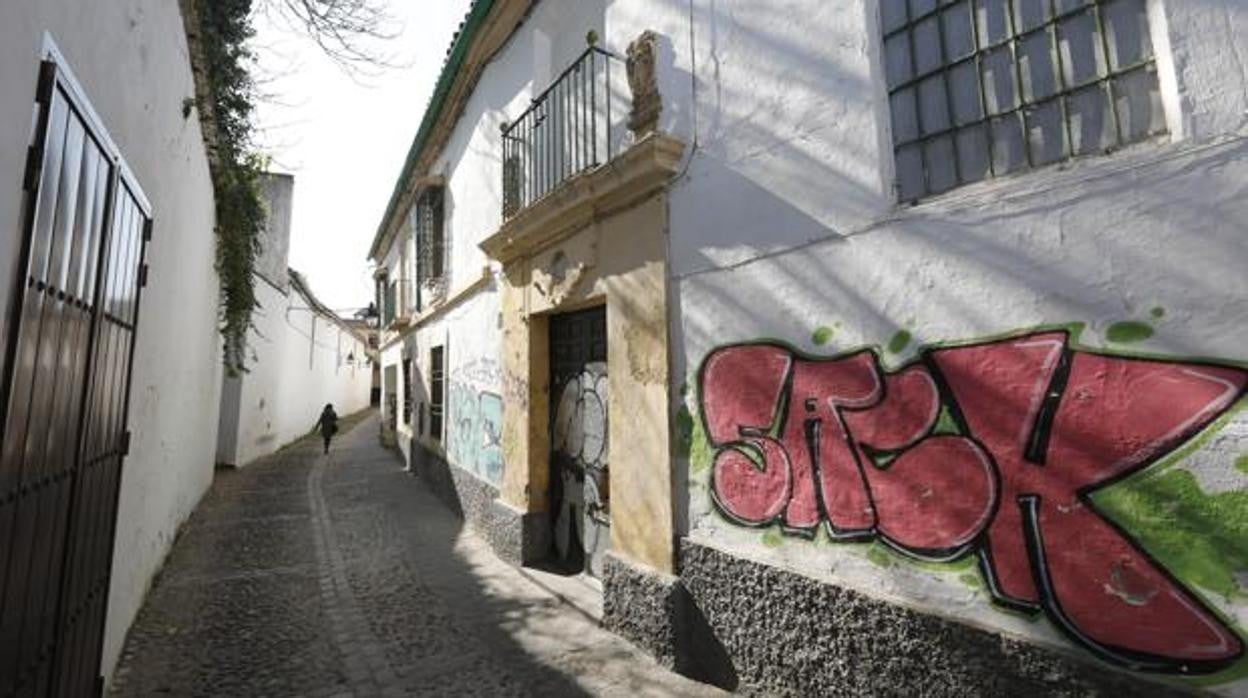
pixel 327 425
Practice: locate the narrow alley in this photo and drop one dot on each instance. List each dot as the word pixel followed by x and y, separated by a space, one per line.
pixel 343 576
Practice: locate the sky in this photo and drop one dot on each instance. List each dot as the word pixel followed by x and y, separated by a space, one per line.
pixel 344 137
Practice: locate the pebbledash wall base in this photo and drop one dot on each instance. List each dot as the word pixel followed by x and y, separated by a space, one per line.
pixel 518 538
pixel 759 629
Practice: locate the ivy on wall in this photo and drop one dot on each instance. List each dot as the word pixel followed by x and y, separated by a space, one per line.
pixel 224 32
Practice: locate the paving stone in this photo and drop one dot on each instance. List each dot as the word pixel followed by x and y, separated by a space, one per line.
pixel 341 575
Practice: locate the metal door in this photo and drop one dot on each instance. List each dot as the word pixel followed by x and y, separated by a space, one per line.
pixel 65 388
pixel 580 495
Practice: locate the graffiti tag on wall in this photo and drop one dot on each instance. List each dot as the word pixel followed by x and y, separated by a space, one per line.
pixel 1035 428
pixel 580 443
pixel 475 429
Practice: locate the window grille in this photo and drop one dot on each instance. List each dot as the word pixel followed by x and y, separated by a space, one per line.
pixel 430 241
pixel 407 391
pixel 437 389
pixel 982 88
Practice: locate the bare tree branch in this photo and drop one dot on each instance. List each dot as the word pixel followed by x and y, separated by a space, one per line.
pixel 347 31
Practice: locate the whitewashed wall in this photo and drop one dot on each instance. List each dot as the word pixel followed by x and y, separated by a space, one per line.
pixel 784 227
pixel 299 360
pixel 131 57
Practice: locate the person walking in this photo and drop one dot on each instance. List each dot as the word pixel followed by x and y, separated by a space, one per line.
pixel 327 424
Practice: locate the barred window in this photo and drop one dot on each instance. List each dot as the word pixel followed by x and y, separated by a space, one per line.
pixel 430 242
pixel 982 88
pixel 437 391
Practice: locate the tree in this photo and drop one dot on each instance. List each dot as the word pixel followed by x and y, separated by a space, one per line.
pixel 347 31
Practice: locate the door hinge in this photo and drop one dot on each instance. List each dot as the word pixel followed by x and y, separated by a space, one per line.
pixel 125 444
pixel 143 275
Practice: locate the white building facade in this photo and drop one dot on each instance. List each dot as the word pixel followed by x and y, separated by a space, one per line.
pixel 946 387
pixel 106 257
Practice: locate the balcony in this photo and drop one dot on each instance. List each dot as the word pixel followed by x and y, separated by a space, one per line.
pixel 567 130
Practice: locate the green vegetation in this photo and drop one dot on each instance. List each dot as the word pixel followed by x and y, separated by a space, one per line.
pixel 225 30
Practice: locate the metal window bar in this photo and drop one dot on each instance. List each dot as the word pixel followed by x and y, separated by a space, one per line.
pixel 565 131
pixel 1058 17
pixel 437 391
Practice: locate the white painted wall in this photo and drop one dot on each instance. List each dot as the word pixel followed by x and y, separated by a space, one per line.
pixel 784 222
pixel 131 58
pixel 299 360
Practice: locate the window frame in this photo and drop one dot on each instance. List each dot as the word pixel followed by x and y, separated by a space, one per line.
pixel 1103 85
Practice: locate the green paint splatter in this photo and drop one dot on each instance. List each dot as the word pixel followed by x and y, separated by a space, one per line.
pixel 1158 312
pixel 899 342
pixel 945 423
pixel 1128 332
pixel 879 556
pixel 1201 538
pixel 972 580
pixel 684 431
pixel 822 335
pixel 1241 464
pixel 772 538
pixel 700 451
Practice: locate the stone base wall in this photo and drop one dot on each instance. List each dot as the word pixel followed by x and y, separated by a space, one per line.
pixel 517 537
pixel 469 497
pixel 645 608
pixel 764 630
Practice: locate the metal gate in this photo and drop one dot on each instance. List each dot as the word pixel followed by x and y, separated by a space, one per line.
pixel 580 496
pixel 64 395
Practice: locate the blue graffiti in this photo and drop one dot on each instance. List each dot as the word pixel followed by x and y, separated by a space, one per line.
pixel 476 431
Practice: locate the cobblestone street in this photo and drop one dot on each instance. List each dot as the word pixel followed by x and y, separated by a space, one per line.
pixel 341 575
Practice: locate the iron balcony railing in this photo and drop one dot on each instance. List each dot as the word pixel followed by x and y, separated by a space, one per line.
pixel 565 131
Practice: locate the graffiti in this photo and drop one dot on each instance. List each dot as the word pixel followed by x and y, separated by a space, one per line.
pixel 479 372
pixel 579 435
pixel 990 449
pixel 580 429
pixel 475 432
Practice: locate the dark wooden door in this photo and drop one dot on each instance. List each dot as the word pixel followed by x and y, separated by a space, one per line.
pixel 580 496
pixel 65 386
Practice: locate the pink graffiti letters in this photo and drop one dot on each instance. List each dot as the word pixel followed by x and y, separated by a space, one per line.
pixel 1036 427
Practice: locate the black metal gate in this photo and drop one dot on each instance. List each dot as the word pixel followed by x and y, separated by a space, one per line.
pixel 65 393
pixel 580 496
